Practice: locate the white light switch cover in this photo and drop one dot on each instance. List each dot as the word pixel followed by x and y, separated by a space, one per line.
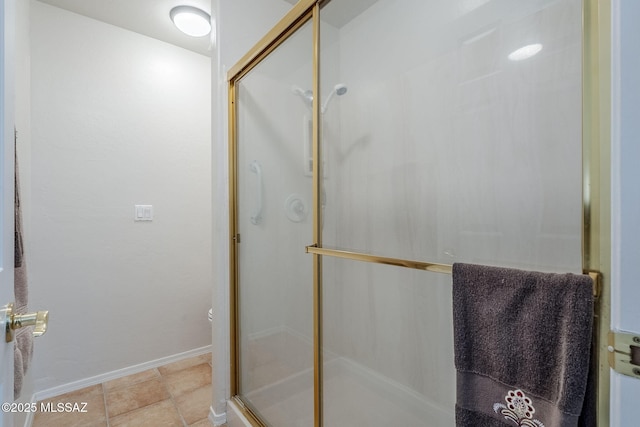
pixel 143 213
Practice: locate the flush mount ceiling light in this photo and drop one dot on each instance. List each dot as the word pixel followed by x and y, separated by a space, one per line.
pixel 191 20
pixel 525 52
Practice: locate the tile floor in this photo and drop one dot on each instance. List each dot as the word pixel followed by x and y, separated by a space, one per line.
pixel 173 395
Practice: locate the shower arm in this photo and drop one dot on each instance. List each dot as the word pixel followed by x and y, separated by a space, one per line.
pixel 326 102
pixel 257 169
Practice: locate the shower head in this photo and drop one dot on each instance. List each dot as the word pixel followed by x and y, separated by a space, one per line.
pixel 339 89
pixel 306 95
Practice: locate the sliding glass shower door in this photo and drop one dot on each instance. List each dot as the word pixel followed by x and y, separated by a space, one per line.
pixel 383 136
pixel 274 301
pixel 451 132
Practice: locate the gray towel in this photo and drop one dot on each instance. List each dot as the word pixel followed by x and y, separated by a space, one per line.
pixel 522 344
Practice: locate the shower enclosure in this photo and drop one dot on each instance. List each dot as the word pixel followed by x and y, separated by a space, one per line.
pixel 373 144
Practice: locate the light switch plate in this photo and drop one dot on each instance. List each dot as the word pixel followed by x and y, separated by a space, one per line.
pixel 143 213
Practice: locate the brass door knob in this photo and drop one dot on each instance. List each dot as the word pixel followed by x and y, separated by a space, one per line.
pixel 38 320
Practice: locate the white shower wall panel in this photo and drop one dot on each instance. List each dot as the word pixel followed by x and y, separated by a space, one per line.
pixel 449 151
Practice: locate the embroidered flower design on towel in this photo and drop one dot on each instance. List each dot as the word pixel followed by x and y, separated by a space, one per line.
pixel 519 409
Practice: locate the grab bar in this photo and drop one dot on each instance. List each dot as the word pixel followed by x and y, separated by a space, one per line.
pixel 255 168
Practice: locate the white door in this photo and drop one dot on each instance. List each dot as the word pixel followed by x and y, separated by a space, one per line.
pixel 7 20
pixel 625 167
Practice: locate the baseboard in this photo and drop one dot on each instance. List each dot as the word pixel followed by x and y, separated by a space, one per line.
pixel 217 419
pixel 98 379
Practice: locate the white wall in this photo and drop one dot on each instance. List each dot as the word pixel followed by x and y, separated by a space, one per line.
pixel 117 119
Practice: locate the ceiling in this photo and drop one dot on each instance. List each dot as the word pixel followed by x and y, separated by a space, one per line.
pixel 151 17
pixel 147 17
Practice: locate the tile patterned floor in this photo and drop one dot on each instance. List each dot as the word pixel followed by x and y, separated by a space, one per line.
pixel 174 395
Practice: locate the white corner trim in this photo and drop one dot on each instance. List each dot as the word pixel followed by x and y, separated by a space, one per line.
pixel 217 419
pixel 108 376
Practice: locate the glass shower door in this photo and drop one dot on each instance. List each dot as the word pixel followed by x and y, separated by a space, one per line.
pixel 274 196
pixel 441 143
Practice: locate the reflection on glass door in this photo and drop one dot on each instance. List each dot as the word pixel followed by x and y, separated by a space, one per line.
pixel 274 196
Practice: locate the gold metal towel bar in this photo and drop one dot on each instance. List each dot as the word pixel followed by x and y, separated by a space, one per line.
pixel 418 265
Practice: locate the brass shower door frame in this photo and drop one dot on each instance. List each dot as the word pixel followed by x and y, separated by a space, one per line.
pixel 596 179
pixel 301 13
pixel 596 219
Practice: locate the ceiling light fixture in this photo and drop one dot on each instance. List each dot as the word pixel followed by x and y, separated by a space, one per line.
pixel 191 20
